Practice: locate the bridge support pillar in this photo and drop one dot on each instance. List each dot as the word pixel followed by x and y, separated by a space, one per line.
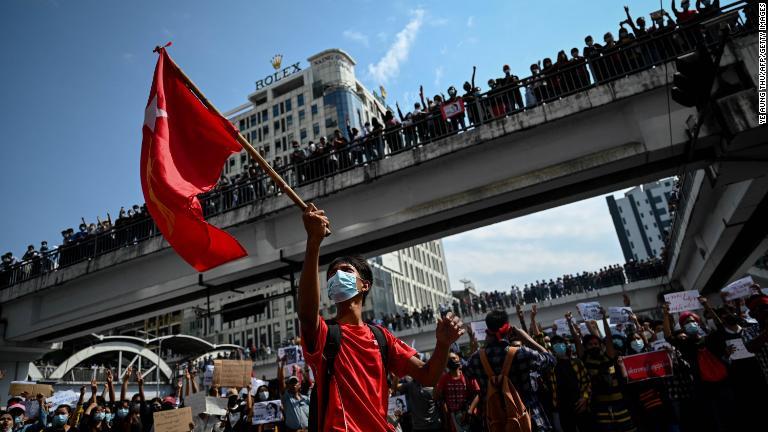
pixel 14 362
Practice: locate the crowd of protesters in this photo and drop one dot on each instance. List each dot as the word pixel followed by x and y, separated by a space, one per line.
pixel 637 47
pixel 572 379
pixel 89 241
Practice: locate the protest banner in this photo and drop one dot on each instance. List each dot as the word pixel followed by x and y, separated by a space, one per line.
pixel 267 412
pixel 583 329
pixel 397 403
pixel 66 397
pixel 452 109
pixel 292 355
pixel 562 327
pixel 208 376
pixel 478 328
pixel 740 351
pixel 175 420
pixel 738 289
pixel 200 402
pixel 589 311
pixel 619 315
pixel 31 388
pixel 232 373
pixel 683 301
pixel 639 367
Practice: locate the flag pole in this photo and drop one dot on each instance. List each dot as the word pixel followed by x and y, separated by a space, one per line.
pixel 243 142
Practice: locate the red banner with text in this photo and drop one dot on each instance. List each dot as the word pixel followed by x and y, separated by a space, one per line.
pixel 639 367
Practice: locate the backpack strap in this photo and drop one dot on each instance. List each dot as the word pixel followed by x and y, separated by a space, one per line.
pixel 511 352
pixel 381 340
pixel 486 366
pixel 330 350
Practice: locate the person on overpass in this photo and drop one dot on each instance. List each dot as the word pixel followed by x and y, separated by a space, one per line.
pixel 353 390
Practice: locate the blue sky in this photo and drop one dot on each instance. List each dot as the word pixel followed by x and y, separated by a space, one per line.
pixel 76 75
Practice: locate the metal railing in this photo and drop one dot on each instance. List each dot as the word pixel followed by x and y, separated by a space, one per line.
pixel 515 96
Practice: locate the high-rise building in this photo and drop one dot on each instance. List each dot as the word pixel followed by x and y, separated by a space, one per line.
pixel 302 103
pixel 642 218
pixel 412 278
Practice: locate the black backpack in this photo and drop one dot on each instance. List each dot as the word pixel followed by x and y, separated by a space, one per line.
pixel 332 346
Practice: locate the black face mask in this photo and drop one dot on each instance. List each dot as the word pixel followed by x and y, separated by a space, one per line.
pixel 594 352
pixel 453 365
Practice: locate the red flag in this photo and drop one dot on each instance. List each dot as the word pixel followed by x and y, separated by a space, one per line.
pixel 183 150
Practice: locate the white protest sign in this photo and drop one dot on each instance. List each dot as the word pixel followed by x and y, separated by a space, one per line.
pixel 200 402
pixel 583 329
pixel 562 327
pixel 740 350
pixel 683 301
pixel 397 403
pixel 208 376
pixel 619 315
pixel 267 412
pixel 67 397
pixel 478 328
pixel 590 310
pixel 738 289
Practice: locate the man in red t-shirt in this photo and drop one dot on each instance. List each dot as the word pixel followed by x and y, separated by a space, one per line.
pixel 686 14
pixel 459 394
pixel 357 390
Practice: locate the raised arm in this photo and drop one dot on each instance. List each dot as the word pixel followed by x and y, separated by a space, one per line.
pixel 472 83
pixel 666 322
pixel 94 391
pixel 574 334
pixel 281 375
pixel 534 327
pixel 521 317
pixel 610 351
pixel 527 340
pixel 421 96
pixel 399 113
pixel 674 8
pixel 124 386
pixel 634 320
pixel 193 381
pixel 473 344
pixel 187 382
pixel 707 308
pixel 629 20
pixel 82 396
pixel 110 385
pixel 140 382
pixel 315 223
pixel 449 329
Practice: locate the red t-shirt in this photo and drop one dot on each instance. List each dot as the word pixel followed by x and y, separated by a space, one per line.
pixel 457 391
pixel 685 16
pixel 358 396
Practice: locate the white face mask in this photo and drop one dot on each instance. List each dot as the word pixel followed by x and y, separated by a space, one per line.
pixel 263 395
pixel 234 418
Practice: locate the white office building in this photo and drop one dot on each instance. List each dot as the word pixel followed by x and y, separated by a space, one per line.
pixel 302 102
pixel 641 219
pixel 412 278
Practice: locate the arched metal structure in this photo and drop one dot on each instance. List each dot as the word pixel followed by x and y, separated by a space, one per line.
pixel 113 346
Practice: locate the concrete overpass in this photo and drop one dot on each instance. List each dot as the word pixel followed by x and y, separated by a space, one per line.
pixel 610 136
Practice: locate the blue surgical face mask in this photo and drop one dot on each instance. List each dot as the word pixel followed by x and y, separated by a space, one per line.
pixel 691 328
pixel 59 420
pixel 122 412
pixel 109 417
pixel 99 416
pixel 637 345
pixel 618 343
pixel 342 286
pixel 560 349
pixel 18 420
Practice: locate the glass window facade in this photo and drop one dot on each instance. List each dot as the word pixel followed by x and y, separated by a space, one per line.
pixel 300 100
pixel 339 105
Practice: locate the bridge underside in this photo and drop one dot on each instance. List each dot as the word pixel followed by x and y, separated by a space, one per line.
pixel 609 137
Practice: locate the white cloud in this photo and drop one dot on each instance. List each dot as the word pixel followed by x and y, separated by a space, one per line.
pixel 471 21
pixel 548 244
pixel 438 75
pixel 438 22
pixel 389 65
pixel 356 36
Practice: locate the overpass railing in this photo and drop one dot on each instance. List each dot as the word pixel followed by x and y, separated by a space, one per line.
pixel 509 96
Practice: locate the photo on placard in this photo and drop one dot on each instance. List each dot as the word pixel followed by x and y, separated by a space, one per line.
pixel 267 412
